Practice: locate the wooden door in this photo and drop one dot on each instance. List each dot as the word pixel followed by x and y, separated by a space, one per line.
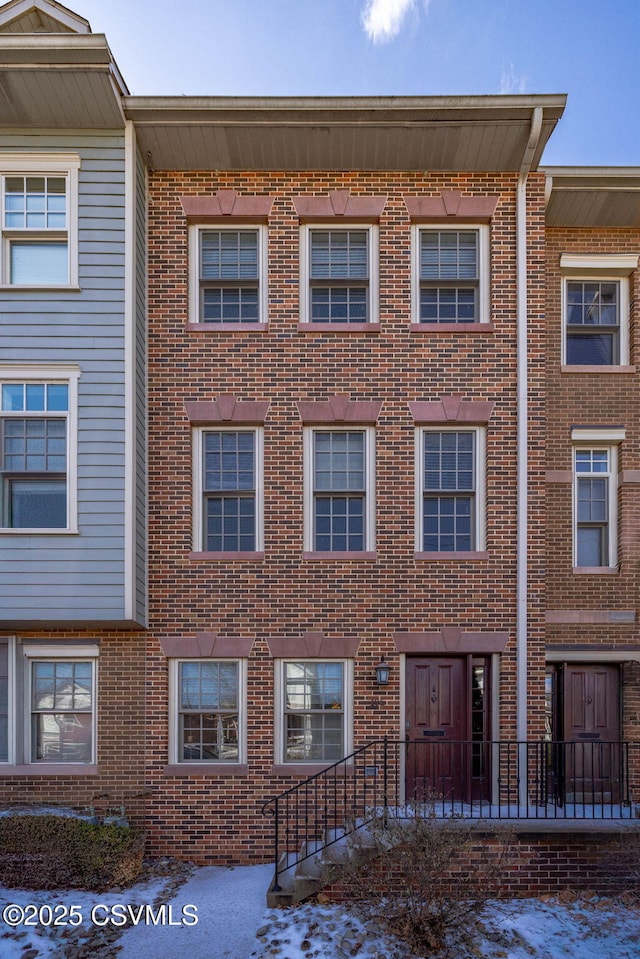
pixel 437 727
pixel 591 717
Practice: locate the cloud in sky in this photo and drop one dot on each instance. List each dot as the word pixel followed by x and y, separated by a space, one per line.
pixel 383 19
pixel 510 82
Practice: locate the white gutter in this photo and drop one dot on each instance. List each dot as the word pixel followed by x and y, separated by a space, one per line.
pixel 523 440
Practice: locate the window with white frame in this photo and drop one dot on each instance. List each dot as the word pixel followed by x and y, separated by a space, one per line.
pixel 37 450
pixel 229 274
pixel 450 490
pixel 593 312
pixel 451 275
pixel 595 308
pixel 339 274
pixel 315 710
pixel 208 698
pixel 595 506
pixel 228 490
pixel 39 220
pixel 48 702
pixel 339 486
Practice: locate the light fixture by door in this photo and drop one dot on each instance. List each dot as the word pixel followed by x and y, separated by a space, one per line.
pixel 382 672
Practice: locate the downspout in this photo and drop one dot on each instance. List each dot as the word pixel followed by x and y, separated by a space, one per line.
pixel 523 448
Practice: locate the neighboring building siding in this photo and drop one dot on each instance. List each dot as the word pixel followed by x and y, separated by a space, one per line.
pixel 68 577
pixel 140 571
pixel 593 612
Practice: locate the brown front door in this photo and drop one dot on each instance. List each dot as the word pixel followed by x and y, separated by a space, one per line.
pixel 446 709
pixel 591 716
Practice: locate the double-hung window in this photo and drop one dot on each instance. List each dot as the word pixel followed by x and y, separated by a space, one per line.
pixel 208 697
pixel 452 285
pixel 39 220
pixel 595 309
pixel 62 710
pixel 229 278
pixel 37 418
pixel 339 278
pixel 340 490
pixel 594 506
pixel 450 491
pixel 228 503
pixel 315 711
pixel 48 702
pixel 593 322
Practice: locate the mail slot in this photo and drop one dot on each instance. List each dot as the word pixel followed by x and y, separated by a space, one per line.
pixel 433 732
pixel 589 736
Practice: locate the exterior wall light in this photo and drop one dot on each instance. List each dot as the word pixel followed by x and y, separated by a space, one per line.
pixel 382 672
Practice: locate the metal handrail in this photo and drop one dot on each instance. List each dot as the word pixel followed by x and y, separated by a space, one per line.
pixel 463 779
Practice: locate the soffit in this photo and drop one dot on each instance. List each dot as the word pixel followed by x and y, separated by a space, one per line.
pixel 66 81
pixel 593 197
pixel 386 133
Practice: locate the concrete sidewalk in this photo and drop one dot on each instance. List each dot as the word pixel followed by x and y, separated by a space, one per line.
pixel 230 905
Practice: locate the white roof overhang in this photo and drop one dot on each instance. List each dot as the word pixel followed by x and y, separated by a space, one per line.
pixel 593 196
pixel 341 133
pixel 59 81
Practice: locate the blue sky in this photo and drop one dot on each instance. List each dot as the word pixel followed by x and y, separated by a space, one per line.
pixel 588 49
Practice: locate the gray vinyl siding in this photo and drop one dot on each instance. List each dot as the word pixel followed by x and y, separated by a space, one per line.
pixel 140 571
pixel 61 577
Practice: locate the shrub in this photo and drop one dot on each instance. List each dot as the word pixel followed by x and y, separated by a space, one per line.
pixel 427 879
pixel 49 852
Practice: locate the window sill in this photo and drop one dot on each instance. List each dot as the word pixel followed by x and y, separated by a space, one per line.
pixel 473 555
pixel 594 368
pixel 337 557
pixel 481 328
pixel 595 570
pixel 305 770
pixel 226 327
pixel 205 769
pixel 48 769
pixel 53 288
pixel 241 556
pixel 46 531
pixel 338 327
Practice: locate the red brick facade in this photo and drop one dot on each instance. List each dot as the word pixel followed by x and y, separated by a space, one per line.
pixel 283 594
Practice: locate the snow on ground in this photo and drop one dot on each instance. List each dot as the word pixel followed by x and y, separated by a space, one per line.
pixel 546 928
pixel 516 929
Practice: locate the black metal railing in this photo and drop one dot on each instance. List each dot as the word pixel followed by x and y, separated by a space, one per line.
pixel 542 780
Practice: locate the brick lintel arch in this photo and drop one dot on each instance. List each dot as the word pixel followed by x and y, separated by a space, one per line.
pixel 451 409
pixel 339 205
pixel 339 409
pixel 313 645
pixel 225 206
pixel 206 646
pixel 451 640
pixel 451 205
pixel 227 409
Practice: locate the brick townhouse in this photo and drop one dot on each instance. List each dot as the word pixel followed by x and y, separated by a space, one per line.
pixel 339 412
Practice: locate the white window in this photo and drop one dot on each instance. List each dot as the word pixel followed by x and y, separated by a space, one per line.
pixel 39 196
pixel 38 415
pixel 208 704
pixel 451 274
pixel 48 702
pixel 228 490
pixel 595 498
pixel 228 275
pixel 339 274
pixel 595 309
pixel 450 495
pixel 314 705
pixel 339 490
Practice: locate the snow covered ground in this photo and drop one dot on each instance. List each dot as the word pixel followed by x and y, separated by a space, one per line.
pixel 233 923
